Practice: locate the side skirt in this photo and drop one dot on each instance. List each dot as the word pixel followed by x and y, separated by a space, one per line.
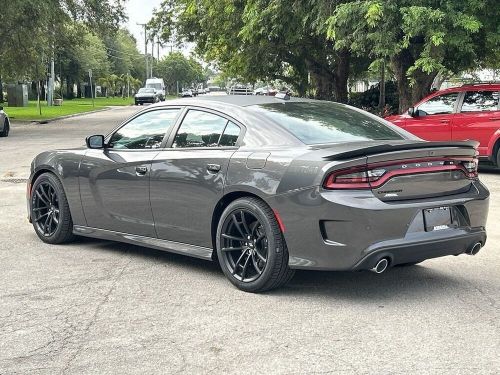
pixel 154 243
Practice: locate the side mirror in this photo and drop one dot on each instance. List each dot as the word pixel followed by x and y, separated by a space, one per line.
pixel 95 141
pixel 411 112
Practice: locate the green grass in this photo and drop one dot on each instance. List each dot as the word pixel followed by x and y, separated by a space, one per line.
pixel 69 107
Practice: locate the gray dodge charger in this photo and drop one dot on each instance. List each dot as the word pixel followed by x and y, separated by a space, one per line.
pixel 265 186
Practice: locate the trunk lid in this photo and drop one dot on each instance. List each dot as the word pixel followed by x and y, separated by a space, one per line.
pixel 413 170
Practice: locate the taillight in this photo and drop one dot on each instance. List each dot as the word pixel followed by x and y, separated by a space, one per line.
pixel 471 166
pixel 353 178
pixel 373 176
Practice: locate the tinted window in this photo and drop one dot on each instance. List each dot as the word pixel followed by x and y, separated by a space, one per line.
pixel 326 122
pixel 441 104
pixel 145 131
pixel 478 101
pixel 200 129
pixel 230 136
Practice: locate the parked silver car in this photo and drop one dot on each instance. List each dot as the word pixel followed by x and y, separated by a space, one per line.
pixel 4 123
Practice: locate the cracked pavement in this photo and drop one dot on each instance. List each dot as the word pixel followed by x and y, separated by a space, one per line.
pixel 101 307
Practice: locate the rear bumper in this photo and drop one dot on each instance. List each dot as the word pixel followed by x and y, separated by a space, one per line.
pixel 418 251
pixel 351 230
pixel 144 100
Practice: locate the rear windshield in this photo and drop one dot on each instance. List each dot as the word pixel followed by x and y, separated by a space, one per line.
pixel 326 122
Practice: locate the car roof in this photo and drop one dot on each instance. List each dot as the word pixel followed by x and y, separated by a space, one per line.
pixel 471 87
pixel 233 100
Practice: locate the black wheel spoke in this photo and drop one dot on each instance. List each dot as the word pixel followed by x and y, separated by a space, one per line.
pixel 41 217
pixel 39 195
pixel 260 256
pixel 238 262
pixel 229 237
pixel 244 272
pixel 232 249
pixel 237 225
pixel 255 263
pixel 45 224
pixel 44 193
pixel 244 222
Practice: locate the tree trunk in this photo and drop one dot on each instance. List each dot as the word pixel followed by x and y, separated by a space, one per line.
pixel 78 90
pixel 1 90
pixel 401 63
pixel 342 65
pixel 381 98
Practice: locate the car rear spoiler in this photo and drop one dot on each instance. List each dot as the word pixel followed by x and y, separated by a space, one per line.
pixel 379 149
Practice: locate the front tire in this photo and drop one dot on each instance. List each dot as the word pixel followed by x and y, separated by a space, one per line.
pixel 6 129
pixel 250 247
pixel 50 212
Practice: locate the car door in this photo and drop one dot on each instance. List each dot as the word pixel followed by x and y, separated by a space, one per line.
pixel 187 179
pixel 478 118
pixel 432 119
pixel 114 182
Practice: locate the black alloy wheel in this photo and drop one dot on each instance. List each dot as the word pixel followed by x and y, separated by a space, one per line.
pixel 46 212
pixel 50 212
pixel 244 245
pixel 6 129
pixel 251 248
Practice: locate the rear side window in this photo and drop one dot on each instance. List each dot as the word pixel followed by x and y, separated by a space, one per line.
pixel 479 101
pixel 438 105
pixel 326 122
pixel 204 129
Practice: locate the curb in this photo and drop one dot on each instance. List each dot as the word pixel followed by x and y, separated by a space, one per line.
pixel 44 122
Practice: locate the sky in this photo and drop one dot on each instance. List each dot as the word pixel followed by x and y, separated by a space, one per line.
pixel 141 11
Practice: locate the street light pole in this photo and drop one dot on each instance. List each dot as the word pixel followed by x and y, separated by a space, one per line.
pixel 145 47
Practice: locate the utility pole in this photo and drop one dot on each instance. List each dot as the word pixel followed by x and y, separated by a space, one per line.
pixel 50 91
pixel 145 47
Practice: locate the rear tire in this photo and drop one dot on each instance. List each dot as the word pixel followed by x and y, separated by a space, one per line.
pixel 497 158
pixel 50 212
pixel 250 247
pixel 6 129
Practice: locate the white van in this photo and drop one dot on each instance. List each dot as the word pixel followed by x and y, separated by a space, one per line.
pixel 158 85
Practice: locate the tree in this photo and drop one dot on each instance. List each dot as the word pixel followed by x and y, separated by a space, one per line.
pixel 418 38
pixel 176 68
pixel 262 40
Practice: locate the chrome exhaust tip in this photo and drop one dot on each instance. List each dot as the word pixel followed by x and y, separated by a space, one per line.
pixel 473 250
pixel 381 266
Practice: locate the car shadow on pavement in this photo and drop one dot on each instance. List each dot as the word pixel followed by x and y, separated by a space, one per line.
pixel 419 281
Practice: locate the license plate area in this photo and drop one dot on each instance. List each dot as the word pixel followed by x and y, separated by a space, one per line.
pixel 438 218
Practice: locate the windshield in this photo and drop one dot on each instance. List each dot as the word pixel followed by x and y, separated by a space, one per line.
pixel 146 91
pixel 156 86
pixel 326 122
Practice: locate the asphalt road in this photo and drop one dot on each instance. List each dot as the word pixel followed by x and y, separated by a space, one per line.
pixel 98 307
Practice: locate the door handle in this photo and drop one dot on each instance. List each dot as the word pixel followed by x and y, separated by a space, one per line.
pixel 213 168
pixel 444 121
pixel 494 118
pixel 141 171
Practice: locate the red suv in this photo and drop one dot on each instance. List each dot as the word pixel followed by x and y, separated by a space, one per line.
pixel 460 113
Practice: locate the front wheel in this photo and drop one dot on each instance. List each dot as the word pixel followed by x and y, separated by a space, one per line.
pixel 251 248
pixel 6 129
pixel 50 212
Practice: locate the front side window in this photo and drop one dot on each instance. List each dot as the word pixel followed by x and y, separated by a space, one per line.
pixel 438 105
pixel 145 131
pixel 479 101
pixel 203 129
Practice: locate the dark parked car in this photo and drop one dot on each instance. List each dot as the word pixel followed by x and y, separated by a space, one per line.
pixel 265 186
pixel 147 95
pixel 4 123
